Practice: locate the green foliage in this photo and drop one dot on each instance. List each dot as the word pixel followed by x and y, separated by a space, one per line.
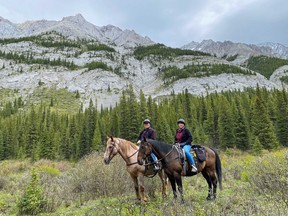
pixel 20 58
pixel 284 79
pixel 172 73
pixel 94 65
pixel 99 47
pixel 32 202
pixel 257 147
pixel 63 131
pixel 265 65
pixel 163 51
pixel 232 57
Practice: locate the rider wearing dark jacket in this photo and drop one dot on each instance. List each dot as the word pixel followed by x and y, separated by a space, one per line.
pixel 149 133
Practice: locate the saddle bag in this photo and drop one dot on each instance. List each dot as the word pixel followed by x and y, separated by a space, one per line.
pixel 200 152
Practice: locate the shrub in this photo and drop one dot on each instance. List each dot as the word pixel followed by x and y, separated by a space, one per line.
pixel 32 201
pixel 269 176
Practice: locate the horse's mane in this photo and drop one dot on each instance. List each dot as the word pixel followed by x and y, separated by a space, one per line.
pixel 165 147
pixel 133 145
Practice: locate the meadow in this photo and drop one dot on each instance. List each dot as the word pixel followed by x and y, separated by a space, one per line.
pixel 252 185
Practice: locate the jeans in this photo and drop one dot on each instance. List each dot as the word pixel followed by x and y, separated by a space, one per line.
pixel 153 156
pixel 188 155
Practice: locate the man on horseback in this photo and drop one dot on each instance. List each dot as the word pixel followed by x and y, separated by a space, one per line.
pixel 184 138
pixel 149 133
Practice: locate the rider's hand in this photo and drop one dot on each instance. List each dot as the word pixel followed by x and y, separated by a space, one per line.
pixel 138 142
pixel 177 144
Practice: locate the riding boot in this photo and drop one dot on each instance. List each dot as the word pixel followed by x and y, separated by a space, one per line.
pixel 157 166
pixel 193 168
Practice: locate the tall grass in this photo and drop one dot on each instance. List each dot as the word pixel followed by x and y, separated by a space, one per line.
pixel 253 185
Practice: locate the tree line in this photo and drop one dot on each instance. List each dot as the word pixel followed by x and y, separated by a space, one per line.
pixel 252 120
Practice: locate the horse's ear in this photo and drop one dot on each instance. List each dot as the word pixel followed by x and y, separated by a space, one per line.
pixel 145 139
pixel 110 137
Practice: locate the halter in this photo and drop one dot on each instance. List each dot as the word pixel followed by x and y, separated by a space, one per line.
pixel 120 152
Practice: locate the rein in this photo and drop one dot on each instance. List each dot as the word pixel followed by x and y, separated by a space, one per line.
pixel 122 155
pixel 164 155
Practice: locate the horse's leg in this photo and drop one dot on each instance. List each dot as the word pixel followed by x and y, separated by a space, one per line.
pixel 142 189
pixel 164 181
pixel 214 183
pixel 136 187
pixel 208 179
pixel 173 185
pixel 180 187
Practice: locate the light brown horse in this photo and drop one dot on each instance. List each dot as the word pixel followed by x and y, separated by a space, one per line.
pixel 128 151
pixel 169 155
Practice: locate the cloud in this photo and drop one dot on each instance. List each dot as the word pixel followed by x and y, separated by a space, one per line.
pixel 171 22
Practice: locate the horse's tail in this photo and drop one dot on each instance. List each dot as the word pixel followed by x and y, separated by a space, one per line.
pixel 218 169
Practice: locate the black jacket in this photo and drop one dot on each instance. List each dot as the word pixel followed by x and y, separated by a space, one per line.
pixel 186 138
pixel 148 133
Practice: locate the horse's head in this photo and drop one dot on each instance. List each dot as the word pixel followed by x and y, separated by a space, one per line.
pixel 111 149
pixel 145 150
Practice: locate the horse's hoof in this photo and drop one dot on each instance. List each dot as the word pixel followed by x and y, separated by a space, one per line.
pixel 210 198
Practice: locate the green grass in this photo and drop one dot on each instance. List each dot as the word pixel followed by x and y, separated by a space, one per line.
pixel 108 190
pixel 62 99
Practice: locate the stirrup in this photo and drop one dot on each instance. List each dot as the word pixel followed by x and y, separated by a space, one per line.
pixel 194 168
pixel 157 167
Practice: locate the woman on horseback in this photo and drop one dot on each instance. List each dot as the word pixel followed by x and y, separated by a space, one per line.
pixel 149 133
pixel 184 137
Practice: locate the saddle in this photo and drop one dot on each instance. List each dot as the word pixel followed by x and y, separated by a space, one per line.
pixel 197 152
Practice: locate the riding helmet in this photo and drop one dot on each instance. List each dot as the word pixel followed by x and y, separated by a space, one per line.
pixel 181 121
pixel 146 121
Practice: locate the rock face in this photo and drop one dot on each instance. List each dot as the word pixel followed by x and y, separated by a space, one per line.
pixel 105 86
pixel 244 51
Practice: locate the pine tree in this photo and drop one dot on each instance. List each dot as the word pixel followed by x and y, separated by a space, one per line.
pixel 282 118
pixel 163 130
pixel 32 202
pixel 261 124
pixel 143 106
pixel 211 123
pixel 225 124
pixel 97 144
pixel 241 129
pixel 257 147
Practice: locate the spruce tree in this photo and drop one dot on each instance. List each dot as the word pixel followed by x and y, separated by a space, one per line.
pixel 257 147
pixel 282 118
pixel 225 125
pixel 211 123
pixel 241 129
pixel 261 124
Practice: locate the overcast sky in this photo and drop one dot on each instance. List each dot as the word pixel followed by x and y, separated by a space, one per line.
pixel 172 22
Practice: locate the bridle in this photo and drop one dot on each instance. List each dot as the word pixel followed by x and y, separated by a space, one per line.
pixel 113 144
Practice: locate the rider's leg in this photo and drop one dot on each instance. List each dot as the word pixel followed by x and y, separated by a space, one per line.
pixel 154 158
pixel 189 157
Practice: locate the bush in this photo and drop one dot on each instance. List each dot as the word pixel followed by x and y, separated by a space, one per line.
pixel 270 176
pixel 32 201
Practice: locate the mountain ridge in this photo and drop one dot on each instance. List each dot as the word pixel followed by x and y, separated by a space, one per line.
pixel 119 66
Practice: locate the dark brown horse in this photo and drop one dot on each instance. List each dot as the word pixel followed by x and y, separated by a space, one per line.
pixel 169 155
pixel 128 151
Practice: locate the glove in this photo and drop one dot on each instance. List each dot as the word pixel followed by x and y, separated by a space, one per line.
pixel 138 142
pixel 177 144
